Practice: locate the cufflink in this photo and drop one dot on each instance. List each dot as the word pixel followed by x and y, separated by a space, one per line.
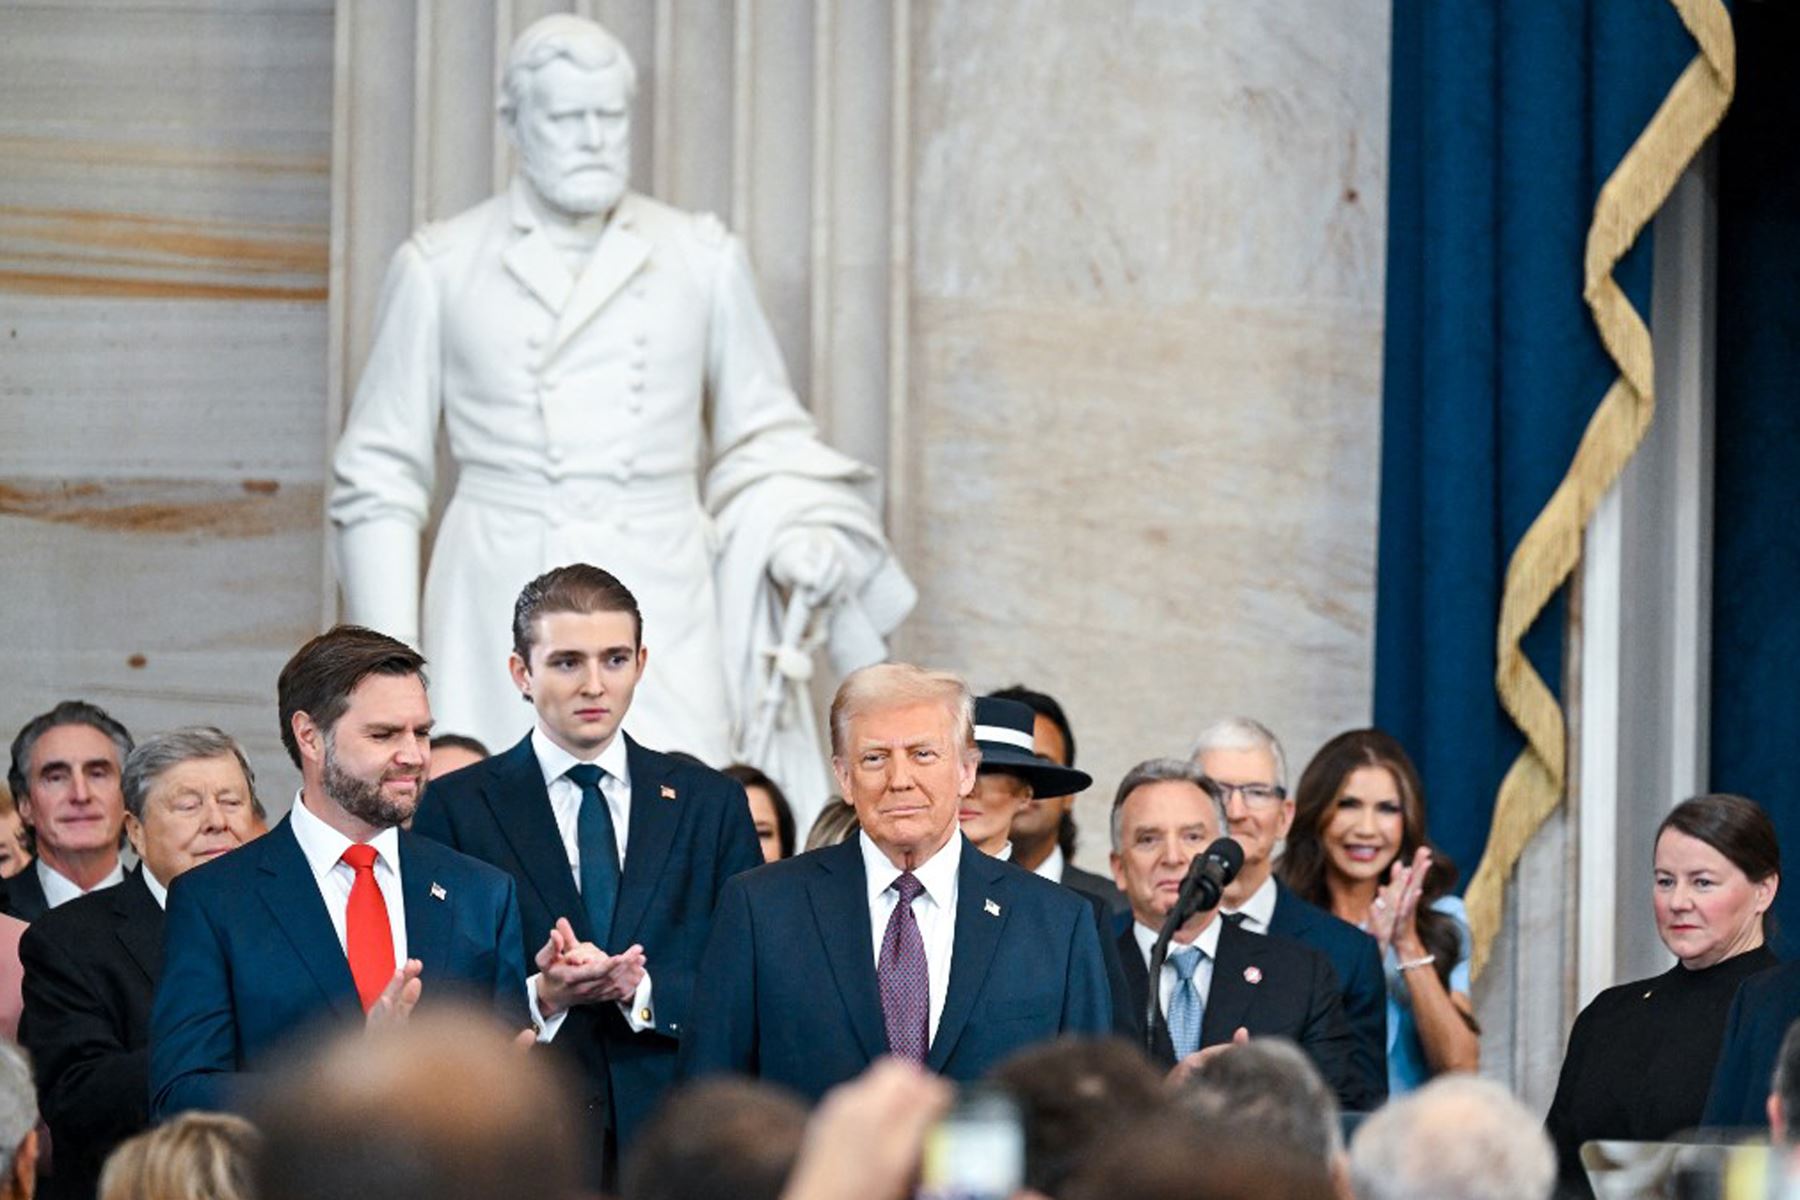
pixel 644 1015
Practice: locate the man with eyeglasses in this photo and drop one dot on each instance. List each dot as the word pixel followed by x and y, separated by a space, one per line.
pixel 1245 760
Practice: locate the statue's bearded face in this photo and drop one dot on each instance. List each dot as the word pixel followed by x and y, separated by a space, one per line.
pixel 574 137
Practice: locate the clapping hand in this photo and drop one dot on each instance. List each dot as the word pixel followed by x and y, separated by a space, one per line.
pixel 398 998
pixel 574 972
pixel 1393 918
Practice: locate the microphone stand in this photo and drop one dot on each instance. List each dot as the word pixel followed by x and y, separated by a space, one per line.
pixel 1191 901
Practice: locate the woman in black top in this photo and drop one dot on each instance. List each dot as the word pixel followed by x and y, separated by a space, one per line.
pixel 1641 1055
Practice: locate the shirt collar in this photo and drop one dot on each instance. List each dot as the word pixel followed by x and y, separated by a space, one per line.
pixel 555 762
pixel 1005 853
pixel 937 873
pixel 325 846
pixel 1208 940
pixel 1260 907
pixel 158 892
pixel 59 889
pixel 1052 866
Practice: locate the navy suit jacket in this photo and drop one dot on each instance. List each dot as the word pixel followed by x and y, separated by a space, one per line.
pixel 690 831
pixel 1765 1005
pixel 251 960
pixel 1356 958
pixel 1266 984
pixel 790 985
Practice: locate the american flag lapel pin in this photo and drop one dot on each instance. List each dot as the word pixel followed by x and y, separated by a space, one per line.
pixel 667 792
pixel 992 908
pixel 1252 974
pixel 437 891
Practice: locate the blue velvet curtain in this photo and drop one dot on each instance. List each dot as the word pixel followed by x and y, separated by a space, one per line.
pixel 1756 543
pixel 1506 118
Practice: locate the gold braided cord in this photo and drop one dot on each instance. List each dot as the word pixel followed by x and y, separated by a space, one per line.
pixel 1551 547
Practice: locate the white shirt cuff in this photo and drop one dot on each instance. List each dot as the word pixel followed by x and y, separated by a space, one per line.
pixel 546 1026
pixel 640 1013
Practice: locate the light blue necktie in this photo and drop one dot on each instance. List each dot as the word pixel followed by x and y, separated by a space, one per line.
pixel 1184 1005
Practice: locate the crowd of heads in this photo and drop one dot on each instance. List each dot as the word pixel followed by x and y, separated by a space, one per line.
pixel 448 1107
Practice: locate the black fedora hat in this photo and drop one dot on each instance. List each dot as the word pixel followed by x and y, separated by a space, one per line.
pixel 1003 731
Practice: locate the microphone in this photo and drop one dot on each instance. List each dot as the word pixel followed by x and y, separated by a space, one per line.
pixel 1207 877
pixel 1201 889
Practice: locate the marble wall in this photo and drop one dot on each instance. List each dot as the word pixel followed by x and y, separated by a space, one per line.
pixel 164 228
pixel 1143 428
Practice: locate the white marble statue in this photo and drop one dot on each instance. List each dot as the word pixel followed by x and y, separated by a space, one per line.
pixel 612 394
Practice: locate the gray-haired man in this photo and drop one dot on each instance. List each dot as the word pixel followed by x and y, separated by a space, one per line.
pixel 64 777
pixel 91 966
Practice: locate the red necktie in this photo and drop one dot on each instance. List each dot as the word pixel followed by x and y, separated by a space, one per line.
pixel 368 938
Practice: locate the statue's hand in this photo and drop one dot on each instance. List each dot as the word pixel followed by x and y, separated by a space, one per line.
pixel 810 559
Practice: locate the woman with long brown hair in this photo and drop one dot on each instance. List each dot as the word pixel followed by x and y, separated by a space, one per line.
pixel 1358 848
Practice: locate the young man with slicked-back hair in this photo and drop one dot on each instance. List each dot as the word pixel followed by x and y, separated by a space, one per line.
pixel 611 843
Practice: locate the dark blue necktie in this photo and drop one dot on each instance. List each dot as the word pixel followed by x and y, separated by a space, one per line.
pixel 599 849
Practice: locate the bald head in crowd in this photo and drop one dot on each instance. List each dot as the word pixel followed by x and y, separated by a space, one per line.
pixel 445 1107
pixel 1456 1138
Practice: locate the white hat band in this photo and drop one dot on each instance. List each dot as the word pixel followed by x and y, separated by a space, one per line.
pixel 1000 733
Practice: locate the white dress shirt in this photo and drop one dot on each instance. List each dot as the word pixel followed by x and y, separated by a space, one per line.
pixel 60 889
pixel 324 849
pixel 565 805
pixel 158 892
pixel 1259 909
pixel 1052 866
pixel 1208 941
pixel 934 909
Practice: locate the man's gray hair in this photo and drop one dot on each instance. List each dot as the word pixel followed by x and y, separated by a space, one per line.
pixel 1267 1088
pixel 1785 1085
pixel 561 35
pixel 18 1103
pixel 1162 770
pixel 1456 1138
pixel 158 754
pixel 1242 733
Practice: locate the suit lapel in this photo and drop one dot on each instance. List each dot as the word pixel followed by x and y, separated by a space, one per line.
pixel 1228 1000
pixel 140 923
pixel 983 902
pixel 840 901
pixel 617 257
pixel 520 804
pixel 292 896
pixel 655 813
pixel 430 919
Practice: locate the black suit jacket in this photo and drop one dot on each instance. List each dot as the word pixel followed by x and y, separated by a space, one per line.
pixel 1356 958
pixel 22 896
pixel 91 968
pixel 690 831
pixel 1090 884
pixel 793 997
pixel 1766 1003
pixel 1266 984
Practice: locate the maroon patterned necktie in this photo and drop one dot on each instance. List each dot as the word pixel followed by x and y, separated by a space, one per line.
pixel 905 985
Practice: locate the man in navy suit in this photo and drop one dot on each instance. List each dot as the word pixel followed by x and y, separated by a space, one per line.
pixel 1765 1005
pixel 1245 761
pixel 609 843
pixel 905 939
pixel 1218 983
pixel 337 914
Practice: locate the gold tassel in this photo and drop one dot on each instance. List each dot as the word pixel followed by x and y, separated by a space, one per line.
pixel 1551 547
